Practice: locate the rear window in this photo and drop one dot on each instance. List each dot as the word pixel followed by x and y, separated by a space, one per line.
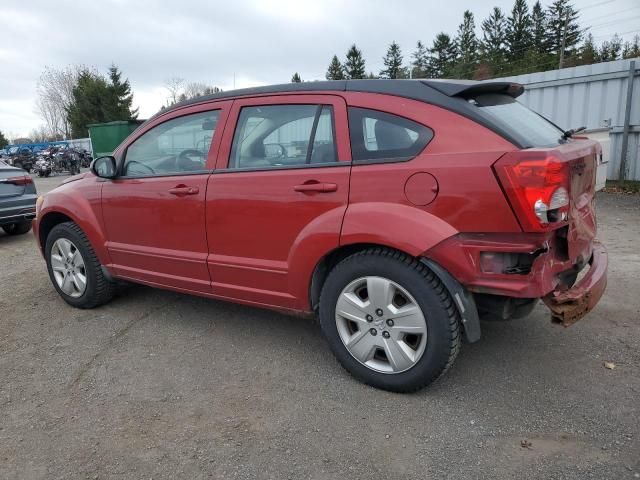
pixel 534 130
pixel 382 136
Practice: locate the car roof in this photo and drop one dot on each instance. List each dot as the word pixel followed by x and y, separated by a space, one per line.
pixel 430 91
pixel 449 94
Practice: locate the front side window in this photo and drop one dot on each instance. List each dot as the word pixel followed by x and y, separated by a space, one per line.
pixel 177 146
pixel 283 135
pixel 383 136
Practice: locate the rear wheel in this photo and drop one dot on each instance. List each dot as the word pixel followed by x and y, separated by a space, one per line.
pixel 17 228
pixel 389 320
pixel 74 268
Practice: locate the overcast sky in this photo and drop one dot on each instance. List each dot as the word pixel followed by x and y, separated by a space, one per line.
pixel 260 42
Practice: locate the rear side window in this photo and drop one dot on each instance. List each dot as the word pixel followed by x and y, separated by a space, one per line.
pixel 526 125
pixel 378 135
pixel 283 135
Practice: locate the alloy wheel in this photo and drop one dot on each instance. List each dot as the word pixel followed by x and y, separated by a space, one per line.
pixel 68 268
pixel 381 324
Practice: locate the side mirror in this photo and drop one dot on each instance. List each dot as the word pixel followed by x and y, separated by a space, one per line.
pixel 104 167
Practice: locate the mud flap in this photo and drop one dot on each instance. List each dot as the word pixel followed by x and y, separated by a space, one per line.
pixel 463 300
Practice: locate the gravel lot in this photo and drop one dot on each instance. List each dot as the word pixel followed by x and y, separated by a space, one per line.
pixel 162 385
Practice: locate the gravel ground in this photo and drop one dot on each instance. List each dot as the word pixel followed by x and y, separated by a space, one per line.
pixel 162 385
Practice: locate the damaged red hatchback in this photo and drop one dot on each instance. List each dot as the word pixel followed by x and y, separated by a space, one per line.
pixel 401 211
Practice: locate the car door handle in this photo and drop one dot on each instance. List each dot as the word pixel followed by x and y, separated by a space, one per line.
pixel 316 187
pixel 182 190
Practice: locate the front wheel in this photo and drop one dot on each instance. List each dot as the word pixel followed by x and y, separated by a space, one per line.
pixel 74 268
pixel 389 320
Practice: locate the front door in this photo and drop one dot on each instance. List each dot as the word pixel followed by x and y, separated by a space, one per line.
pixel 277 198
pixel 154 211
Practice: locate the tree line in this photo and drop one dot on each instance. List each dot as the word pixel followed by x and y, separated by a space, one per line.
pixel 523 40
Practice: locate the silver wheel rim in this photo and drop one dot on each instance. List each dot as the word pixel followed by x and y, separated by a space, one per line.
pixel 68 268
pixel 381 325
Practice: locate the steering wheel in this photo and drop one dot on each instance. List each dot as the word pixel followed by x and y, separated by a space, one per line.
pixel 184 162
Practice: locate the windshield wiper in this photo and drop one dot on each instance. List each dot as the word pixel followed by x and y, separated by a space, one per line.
pixel 570 133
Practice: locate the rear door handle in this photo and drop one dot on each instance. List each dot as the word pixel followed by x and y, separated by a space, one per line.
pixel 316 187
pixel 182 190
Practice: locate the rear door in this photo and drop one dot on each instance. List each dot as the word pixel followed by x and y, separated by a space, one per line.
pixel 277 198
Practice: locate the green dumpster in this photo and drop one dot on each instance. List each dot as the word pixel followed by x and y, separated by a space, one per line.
pixel 105 137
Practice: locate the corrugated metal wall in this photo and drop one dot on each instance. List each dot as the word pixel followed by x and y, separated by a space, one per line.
pixel 589 95
pixel 593 96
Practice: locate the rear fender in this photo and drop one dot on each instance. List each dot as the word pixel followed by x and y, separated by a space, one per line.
pixel 408 229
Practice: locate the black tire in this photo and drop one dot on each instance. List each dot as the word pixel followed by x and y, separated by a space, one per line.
pixel 18 228
pixel 99 289
pixel 442 318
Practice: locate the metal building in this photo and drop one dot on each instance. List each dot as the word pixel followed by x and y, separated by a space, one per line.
pixel 604 97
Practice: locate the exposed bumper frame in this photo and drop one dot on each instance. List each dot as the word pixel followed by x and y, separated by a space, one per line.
pixel 569 306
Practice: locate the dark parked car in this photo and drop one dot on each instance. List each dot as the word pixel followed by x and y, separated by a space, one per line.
pixel 23 158
pixel 17 200
pixel 399 211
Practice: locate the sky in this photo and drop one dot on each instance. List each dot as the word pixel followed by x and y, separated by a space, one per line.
pixel 239 43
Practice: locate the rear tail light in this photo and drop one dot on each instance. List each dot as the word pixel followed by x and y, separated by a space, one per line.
pixel 25 180
pixel 537 186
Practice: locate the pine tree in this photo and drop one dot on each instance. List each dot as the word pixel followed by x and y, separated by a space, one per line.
pixel 610 50
pixel 588 52
pixel 393 63
pixel 354 64
pixel 420 63
pixel 467 46
pixel 121 97
pixel 519 31
pixel 539 29
pixel 335 70
pixel 3 140
pixel 561 17
pixel 296 78
pixel 632 49
pixel 442 56
pixel 493 44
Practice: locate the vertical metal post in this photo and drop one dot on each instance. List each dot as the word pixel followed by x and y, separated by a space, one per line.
pixel 627 119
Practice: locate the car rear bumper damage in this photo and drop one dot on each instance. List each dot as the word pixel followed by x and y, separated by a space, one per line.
pixel 569 306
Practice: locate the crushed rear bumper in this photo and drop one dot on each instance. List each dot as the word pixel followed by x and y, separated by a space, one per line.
pixel 569 306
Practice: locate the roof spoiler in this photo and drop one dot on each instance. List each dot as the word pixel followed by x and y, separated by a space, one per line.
pixel 470 88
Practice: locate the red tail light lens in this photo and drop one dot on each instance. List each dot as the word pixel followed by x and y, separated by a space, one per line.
pixel 537 186
pixel 25 180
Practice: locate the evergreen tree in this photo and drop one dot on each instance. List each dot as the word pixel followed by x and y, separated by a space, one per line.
pixel 466 46
pixel 371 76
pixel 420 63
pixel 610 50
pixel 3 140
pixel 393 63
pixel 335 70
pixel 519 31
pixel 442 56
pixel 92 99
pixel 121 97
pixel 588 52
pixel 561 17
pixel 632 49
pixel 493 44
pixel 354 64
pixel 296 78
pixel 538 29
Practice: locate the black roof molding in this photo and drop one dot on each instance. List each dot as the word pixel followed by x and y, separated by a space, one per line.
pixel 449 94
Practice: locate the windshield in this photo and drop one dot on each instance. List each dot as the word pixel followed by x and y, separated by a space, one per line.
pixel 514 117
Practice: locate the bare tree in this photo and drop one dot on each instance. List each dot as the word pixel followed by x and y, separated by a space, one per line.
pixel 175 87
pixel 40 134
pixel 55 94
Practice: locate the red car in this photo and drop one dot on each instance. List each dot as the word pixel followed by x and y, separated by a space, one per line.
pixel 400 211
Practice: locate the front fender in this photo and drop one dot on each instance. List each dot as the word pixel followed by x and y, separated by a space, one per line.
pixel 405 228
pixel 81 202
